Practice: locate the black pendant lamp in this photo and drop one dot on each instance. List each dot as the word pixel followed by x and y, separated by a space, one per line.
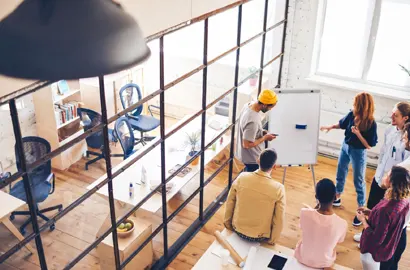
pixel 69 39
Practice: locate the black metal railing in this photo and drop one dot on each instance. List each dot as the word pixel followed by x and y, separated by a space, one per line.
pixel 111 173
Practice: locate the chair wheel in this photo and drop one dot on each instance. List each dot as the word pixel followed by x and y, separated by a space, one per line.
pixel 12 217
pixel 22 231
pixel 52 227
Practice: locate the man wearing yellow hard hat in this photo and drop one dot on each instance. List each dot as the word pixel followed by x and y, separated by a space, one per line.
pixel 251 136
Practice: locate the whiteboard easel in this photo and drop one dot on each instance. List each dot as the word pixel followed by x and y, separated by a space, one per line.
pixel 296 118
pixel 311 168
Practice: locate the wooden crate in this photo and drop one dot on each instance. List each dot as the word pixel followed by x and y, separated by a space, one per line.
pixel 144 258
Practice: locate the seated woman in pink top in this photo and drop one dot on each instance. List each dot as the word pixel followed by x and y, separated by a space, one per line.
pixel 322 229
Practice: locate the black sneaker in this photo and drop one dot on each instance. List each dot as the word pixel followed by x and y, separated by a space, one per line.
pixel 337 202
pixel 356 222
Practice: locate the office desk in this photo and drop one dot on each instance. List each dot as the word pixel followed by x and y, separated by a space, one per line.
pixel 9 204
pixel 176 153
pixel 212 261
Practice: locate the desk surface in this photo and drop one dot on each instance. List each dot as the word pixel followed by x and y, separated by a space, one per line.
pixel 8 204
pixel 212 261
pixel 175 154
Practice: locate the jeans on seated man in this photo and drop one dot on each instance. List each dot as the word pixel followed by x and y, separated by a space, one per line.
pixel 255 208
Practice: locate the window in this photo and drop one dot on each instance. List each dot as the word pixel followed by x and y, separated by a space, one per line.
pixel 368 45
pixel 222 34
pixel 19 105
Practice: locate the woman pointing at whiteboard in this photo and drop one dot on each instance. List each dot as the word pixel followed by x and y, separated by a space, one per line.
pixel 360 135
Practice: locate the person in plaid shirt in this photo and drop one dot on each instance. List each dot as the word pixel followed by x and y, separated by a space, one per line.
pixel 383 230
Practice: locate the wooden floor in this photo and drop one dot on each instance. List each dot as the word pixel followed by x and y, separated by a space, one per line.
pixel 299 189
pixel 75 231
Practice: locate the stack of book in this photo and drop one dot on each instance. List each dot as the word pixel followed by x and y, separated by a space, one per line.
pixel 65 112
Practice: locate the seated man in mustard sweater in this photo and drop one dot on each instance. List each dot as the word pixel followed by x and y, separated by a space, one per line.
pixel 255 208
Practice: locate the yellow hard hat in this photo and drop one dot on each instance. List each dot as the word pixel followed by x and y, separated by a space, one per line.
pixel 268 97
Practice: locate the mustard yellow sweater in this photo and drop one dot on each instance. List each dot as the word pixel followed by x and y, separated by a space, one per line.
pixel 256 206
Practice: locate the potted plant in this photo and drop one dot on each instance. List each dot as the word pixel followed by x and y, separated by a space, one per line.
pixel 192 140
pixel 405 69
pixel 254 77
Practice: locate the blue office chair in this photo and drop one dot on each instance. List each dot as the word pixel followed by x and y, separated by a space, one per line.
pixel 125 135
pixel 90 119
pixel 129 95
pixel 41 179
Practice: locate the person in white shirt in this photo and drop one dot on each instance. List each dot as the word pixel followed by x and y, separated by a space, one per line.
pixel 392 153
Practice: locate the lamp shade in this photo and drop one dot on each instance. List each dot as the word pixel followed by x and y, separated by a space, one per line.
pixel 69 39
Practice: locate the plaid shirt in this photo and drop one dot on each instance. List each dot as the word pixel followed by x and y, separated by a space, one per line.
pixel 386 221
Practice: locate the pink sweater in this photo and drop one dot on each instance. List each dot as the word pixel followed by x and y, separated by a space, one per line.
pixel 320 235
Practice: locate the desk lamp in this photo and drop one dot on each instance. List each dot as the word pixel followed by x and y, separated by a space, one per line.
pixel 66 39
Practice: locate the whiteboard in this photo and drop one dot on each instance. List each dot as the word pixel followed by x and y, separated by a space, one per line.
pixel 296 107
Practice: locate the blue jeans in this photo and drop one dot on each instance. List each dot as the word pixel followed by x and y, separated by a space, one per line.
pixel 251 167
pixel 358 158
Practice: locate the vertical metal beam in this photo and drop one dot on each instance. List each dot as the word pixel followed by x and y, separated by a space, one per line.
pixel 235 94
pixel 162 134
pixel 26 181
pixel 265 21
pixel 204 95
pixel 107 155
pixel 285 24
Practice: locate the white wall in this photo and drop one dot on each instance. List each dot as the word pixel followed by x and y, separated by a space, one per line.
pixel 335 102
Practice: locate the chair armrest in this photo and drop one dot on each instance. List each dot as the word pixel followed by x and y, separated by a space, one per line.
pixel 153 106
pixel 52 180
pixel 133 117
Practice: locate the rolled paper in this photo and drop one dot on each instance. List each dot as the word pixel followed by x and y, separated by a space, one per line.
pixel 235 256
pixel 250 258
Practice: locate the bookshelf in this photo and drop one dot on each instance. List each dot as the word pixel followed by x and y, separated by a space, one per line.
pixel 58 122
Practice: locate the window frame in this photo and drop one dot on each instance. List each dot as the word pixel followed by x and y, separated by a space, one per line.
pixel 343 81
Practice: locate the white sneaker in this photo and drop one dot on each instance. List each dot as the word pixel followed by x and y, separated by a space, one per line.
pixel 357 237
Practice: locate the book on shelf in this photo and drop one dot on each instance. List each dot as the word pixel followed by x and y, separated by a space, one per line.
pixel 65 112
pixel 63 87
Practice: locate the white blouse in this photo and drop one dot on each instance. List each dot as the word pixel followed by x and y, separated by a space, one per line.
pixel 392 152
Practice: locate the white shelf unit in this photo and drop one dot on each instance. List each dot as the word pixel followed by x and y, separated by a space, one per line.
pixel 59 134
pixel 68 122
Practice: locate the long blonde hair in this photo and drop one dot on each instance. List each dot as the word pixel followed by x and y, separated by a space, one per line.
pixel 363 111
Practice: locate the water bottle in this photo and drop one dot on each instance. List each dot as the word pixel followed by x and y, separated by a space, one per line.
pixel 131 190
